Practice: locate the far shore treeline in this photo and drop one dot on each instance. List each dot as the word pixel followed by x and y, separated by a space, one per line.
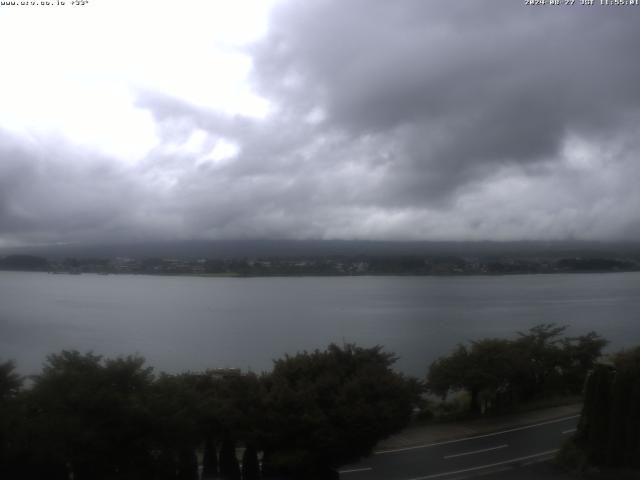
pixel 114 418
pixel 313 265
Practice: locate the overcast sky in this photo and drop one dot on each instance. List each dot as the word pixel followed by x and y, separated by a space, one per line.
pixel 127 120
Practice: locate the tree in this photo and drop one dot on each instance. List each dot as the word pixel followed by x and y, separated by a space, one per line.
pixel 498 373
pixel 209 459
pixel 165 465
pixel 487 371
pixel 580 356
pixel 91 414
pixel 10 385
pixel 594 421
pixel 541 346
pixel 10 381
pixel 187 465
pixel 327 408
pixel 492 374
pixel 625 414
pixel 112 419
pixel 229 467
pixel 174 404
pixel 250 465
pixel 447 373
pixel 609 427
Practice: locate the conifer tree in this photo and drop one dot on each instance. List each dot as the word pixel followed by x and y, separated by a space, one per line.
pixel 187 465
pixel 165 467
pixel 250 465
pixel 609 429
pixel 229 467
pixel 209 459
pixel 594 423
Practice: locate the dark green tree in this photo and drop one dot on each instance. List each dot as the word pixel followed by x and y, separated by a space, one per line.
pixel 209 459
pixel 250 464
pixel 91 414
pixel 327 408
pixel 187 465
pixel 10 381
pixel 487 370
pixel 164 465
pixel 112 419
pixel 609 428
pixel 174 404
pixel 499 373
pixel 594 422
pixel 579 357
pixel 625 411
pixel 542 373
pixel 229 466
pixel 10 385
pixel 448 373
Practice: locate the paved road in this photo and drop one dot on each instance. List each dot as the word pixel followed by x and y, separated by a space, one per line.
pixel 465 456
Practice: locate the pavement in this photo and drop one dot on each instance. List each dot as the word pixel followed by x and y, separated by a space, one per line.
pixel 549 471
pixel 437 432
pixel 487 446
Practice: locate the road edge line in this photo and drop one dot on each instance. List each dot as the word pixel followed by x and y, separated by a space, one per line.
pixel 484 435
pixel 483 467
pixel 455 455
pixel 354 470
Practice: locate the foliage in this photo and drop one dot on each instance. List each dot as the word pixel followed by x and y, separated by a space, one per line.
pixel 10 381
pixel 209 459
pixel 250 464
pixel 327 408
pixel 572 457
pixel 229 466
pixel 187 464
pixel 609 428
pixel 500 373
pixel 10 385
pixel 102 419
pixel 91 414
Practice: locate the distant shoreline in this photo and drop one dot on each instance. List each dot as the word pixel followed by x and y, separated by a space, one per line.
pixel 328 266
pixel 327 275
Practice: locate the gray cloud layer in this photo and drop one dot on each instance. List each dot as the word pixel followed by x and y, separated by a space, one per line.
pixel 396 120
pixel 464 88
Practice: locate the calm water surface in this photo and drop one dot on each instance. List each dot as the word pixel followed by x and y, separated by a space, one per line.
pixel 181 323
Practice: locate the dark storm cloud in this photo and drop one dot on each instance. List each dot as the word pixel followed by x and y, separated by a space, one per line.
pixel 51 191
pixel 277 185
pixel 433 120
pixel 462 87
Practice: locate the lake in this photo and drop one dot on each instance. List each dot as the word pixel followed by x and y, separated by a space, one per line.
pixel 181 323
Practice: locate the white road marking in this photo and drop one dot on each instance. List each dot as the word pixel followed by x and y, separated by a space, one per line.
pixel 354 470
pixel 416 447
pixel 475 451
pixel 481 467
pixel 569 431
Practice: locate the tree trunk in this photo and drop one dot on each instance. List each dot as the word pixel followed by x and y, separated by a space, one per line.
pixel 474 406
